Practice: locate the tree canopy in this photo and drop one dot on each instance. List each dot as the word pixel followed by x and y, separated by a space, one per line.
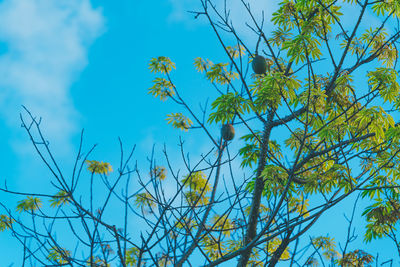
pixel 307 125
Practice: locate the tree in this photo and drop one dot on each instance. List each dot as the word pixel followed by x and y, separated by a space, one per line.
pixel 316 128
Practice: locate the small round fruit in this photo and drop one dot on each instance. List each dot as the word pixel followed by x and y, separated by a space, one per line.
pixel 259 64
pixel 227 132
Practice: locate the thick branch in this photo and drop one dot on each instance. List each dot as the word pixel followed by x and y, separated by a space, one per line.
pixel 251 231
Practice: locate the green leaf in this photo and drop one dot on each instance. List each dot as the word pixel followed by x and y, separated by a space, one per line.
pixel 179 121
pixel 162 88
pixel 59 255
pixel 5 222
pixel 161 64
pixel 131 256
pixel 61 198
pixel 98 167
pixel 29 204
pixel 227 106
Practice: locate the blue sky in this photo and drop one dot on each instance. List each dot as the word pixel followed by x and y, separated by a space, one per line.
pixel 83 64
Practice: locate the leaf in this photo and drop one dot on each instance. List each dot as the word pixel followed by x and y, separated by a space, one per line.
pixel 131 256
pixel 197 187
pixel 219 73
pixel 213 247
pixel 29 204
pixel 385 80
pixel 236 51
pixel 61 198
pixel 59 255
pixel 159 172
pixel 202 65
pixel 144 201
pixel 273 245
pixel 5 222
pixel 162 88
pixel 179 121
pixel 161 64
pixel 98 167
pixel 355 258
pixel 227 106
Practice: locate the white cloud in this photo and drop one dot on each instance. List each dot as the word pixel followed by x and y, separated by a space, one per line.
pixel 46 45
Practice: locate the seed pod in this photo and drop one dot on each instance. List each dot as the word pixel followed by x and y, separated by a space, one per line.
pixel 227 132
pixel 259 65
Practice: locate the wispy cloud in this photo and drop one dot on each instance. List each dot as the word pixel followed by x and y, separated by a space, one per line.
pixel 44 45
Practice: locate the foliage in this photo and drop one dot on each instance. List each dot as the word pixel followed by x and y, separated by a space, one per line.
pixel 61 198
pixel 131 255
pixel 29 204
pixel 197 188
pixel 320 125
pixel 159 172
pixel 179 121
pixel 59 255
pixel 98 167
pixel 5 222
pixel 356 258
pixel 162 88
pixel 161 64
